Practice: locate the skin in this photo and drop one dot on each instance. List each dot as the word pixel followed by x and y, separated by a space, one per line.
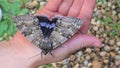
pixel 20 53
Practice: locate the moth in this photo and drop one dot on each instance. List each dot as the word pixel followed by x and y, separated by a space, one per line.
pixel 47 33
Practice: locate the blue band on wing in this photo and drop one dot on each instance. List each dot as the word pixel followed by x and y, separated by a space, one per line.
pixel 45 24
pixel 52 25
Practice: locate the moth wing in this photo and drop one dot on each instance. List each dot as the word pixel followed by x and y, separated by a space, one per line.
pixel 65 28
pixel 29 26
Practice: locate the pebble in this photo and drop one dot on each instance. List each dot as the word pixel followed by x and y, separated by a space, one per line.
pixel 112 41
pixel 78 54
pixel 112 54
pixel 103 53
pixel 88 50
pixel 117 62
pixel 85 62
pixel 105 61
pixel 32 4
pixel 109 4
pixel 104 35
pixel 87 57
pixel 42 3
pixel 118 43
pixel 117 57
pixel 97 49
pixel 89 65
pixel 96 64
pixel 107 48
pixel 117 49
pixel 76 66
pixel 72 57
pixel 65 66
pixel 95 28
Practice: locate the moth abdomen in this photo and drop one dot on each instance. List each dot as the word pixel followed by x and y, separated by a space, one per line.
pixel 46 45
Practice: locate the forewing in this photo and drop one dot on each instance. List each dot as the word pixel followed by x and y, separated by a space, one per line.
pixel 65 28
pixel 29 26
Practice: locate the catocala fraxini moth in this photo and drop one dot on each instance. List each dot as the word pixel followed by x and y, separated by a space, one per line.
pixel 45 33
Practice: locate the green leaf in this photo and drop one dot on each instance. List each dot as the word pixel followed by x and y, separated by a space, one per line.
pixel 5 5
pixel 23 11
pixel 15 7
pixel 3 27
pixel 11 28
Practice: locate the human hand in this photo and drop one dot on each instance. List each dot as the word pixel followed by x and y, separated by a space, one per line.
pixel 76 8
pixel 21 53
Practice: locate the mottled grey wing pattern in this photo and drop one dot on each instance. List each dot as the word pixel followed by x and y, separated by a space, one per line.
pixel 65 28
pixel 29 26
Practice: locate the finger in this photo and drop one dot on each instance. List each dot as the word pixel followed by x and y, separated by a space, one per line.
pixel 76 43
pixel 50 8
pixel 86 14
pixel 75 8
pixel 53 5
pixel 65 6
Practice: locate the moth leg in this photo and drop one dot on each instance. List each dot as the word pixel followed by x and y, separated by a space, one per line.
pixel 41 54
pixel 51 54
pixel 51 49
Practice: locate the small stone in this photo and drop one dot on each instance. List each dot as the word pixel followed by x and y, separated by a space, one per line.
pixel 102 39
pixel 97 49
pixel 119 15
pixel 32 4
pixel 106 40
pixel 72 57
pixel 103 53
pixel 54 65
pixel 118 52
pixel 107 48
pixel 76 66
pixel 65 61
pixel 117 57
pixel 108 27
pixel 85 62
pixel 118 43
pixel 117 49
pixel 78 54
pixel 93 55
pixel 89 65
pixel 95 28
pixel 112 42
pixel 105 61
pixel 96 64
pixel 117 62
pixel 88 50
pixel 109 4
pixel 104 35
pixel 87 57
pixel 65 66
pixel 112 54
pixel 42 3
